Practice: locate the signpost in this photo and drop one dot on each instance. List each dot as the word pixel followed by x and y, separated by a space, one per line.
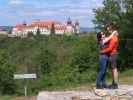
pixel 25 77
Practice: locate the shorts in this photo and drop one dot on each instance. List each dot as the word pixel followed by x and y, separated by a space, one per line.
pixel 113 60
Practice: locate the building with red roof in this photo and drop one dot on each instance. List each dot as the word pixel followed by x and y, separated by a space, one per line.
pixel 44 28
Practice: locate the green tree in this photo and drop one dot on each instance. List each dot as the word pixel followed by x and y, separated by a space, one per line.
pixel 119 12
pixel 38 32
pixel 10 31
pixel 30 34
pixel 45 61
pixel 110 12
pixel 85 60
pixel 7 84
pixel 52 29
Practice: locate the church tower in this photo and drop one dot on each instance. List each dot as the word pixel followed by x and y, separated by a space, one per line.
pixel 76 27
pixel 69 22
pixel 70 28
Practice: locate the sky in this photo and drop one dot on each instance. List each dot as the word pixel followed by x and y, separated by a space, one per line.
pixel 13 12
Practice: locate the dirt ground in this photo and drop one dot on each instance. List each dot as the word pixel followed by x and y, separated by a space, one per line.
pixel 25 98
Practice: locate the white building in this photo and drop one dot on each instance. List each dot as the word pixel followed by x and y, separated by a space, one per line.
pixel 22 30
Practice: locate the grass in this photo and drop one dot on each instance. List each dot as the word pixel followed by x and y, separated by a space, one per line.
pixel 126 77
pixel 17 98
pixel 6 98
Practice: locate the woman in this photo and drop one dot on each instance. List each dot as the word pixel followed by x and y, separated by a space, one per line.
pixel 103 59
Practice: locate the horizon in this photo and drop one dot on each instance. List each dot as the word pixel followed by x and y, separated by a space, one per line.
pixel 17 11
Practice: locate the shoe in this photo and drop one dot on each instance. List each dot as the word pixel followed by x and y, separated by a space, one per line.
pixel 113 86
pixel 99 87
pixel 105 86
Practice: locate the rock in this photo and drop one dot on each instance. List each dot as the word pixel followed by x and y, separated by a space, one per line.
pixel 88 95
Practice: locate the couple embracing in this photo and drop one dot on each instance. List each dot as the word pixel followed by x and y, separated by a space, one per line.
pixel 108 53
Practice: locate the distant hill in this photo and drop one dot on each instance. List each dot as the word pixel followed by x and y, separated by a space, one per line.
pixel 86 29
pixel 5 28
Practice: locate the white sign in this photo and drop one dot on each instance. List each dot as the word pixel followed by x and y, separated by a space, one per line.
pixel 24 76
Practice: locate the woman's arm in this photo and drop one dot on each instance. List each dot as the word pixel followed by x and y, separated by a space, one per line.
pixel 105 40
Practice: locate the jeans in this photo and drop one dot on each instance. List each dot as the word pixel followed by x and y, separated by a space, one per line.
pixel 103 59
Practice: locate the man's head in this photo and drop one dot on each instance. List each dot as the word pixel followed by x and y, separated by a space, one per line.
pixel 111 27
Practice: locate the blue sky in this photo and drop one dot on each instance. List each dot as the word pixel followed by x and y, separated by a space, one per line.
pixel 18 11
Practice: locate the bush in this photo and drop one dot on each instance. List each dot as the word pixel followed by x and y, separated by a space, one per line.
pixel 7 84
pixel 85 59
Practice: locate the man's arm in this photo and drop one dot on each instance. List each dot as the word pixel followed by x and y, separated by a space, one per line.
pixel 108 49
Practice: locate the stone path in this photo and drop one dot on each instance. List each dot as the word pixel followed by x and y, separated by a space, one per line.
pixel 87 95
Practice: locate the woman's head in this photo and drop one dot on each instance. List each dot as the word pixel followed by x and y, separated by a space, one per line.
pixel 100 35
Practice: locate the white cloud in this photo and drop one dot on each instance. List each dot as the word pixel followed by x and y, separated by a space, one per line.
pixel 16 2
pixel 39 13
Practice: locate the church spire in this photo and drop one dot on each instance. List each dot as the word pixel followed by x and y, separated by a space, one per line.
pixel 69 22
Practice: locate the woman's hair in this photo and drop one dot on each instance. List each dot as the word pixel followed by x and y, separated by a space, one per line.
pixel 99 36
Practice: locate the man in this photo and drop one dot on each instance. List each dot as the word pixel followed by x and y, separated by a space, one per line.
pixel 112 49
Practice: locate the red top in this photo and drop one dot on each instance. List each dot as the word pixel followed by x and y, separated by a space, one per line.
pixel 113 46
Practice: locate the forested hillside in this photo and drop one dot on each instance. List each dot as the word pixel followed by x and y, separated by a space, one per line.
pixel 57 60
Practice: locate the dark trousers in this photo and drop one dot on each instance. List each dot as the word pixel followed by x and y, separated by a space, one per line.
pixel 103 60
